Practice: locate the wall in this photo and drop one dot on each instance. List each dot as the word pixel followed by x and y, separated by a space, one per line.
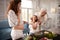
pixel 3 8
pixel 48 4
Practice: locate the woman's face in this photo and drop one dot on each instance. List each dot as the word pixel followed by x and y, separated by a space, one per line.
pixel 19 5
pixel 43 13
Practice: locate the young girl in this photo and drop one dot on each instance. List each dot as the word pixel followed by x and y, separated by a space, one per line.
pixel 14 14
pixel 34 25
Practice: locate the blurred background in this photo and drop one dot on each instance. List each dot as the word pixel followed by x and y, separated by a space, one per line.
pixel 31 7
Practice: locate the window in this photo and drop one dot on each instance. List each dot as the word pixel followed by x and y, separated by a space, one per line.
pixel 27 11
pixel 26 4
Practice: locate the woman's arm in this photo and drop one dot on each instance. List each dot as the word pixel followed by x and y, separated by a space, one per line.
pixel 20 26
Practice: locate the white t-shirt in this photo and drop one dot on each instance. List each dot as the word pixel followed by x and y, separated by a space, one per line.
pixel 33 30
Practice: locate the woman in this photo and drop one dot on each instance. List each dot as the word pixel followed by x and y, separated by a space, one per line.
pixel 34 25
pixel 14 14
pixel 43 18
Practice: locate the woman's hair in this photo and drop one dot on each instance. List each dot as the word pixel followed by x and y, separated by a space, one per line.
pixel 14 6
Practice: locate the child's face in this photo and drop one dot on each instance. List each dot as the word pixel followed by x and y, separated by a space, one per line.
pixel 34 18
